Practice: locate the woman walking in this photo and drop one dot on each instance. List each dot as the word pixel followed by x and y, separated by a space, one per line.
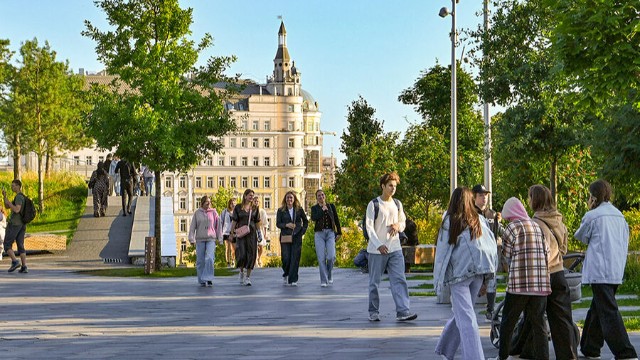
pixel 245 214
pixel 466 258
pixel 99 185
pixel 203 232
pixel 262 230
pixel 293 223
pixel 225 224
pixel 326 231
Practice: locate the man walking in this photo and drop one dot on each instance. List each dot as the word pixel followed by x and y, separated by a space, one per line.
pixel 385 253
pixel 15 228
pixel 126 172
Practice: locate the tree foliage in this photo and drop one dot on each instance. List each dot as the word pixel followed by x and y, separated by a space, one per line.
pixel 362 126
pixel 162 108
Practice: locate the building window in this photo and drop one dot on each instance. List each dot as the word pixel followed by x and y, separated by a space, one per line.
pixel 255 125
pixel 198 182
pixel 267 202
pixel 183 245
pixel 168 182
pixel 254 142
pixel 183 225
pixel 292 142
pixel 182 203
pixel 267 161
pixel 232 161
pixel 245 182
pixel 100 158
pixel 232 142
pixel 267 182
pixel 266 143
pixel 291 125
pixel 267 125
pixel 243 143
pixel 232 182
pixel 256 161
pixel 256 182
pixel 183 181
pixel 292 108
pixel 220 161
pixel 198 198
pixel 291 161
pixel 244 125
pixel 221 181
pixel 76 159
pixel 89 160
pixel 292 182
pixel 245 161
pixel 210 182
pixel 209 161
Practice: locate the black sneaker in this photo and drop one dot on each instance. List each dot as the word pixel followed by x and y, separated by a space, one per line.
pixel 14 266
pixel 210 283
pixel 23 270
pixel 407 317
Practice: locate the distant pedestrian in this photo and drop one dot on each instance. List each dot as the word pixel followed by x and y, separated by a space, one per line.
pixel 327 231
pixel 262 229
pixel 292 222
pixel 15 228
pixel 606 233
pixel 99 185
pixel 246 245
pixel 204 232
pixel 385 251
pixel 466 258
pixel 148 176
pixel 225 224
pixel 3 228
pixel 127 173
pixel 114 184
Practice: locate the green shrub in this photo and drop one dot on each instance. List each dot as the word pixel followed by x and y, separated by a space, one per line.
pixel 631 282
pixel 633 218
pixel 348 246
pixel 428 229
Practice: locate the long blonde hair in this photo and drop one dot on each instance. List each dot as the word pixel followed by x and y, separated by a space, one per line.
pixel 296 203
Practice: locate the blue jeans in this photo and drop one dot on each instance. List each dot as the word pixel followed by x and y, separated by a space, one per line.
pixel 326 252
pixel 291 253
pixel 463 296
pixel 148 185
pixel 205 257
pixel 394 264
pixel 604 323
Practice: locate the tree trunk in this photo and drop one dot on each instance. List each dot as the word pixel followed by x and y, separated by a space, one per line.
pixel 157 216
pixel 553 183
pixel 16 158
pixel 40 183
pixel 47 169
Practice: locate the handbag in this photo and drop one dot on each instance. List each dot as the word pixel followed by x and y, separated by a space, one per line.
pixel 243 230
pixel 286 239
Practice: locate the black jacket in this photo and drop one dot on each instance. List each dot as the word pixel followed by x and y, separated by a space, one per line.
pixel 301 221
pixel 317 214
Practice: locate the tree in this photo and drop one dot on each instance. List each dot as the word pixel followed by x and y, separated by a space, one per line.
pixel 161 109
pixel 362 126
pixel 45 107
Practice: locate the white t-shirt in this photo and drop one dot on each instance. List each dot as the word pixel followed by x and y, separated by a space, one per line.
pixel 388 214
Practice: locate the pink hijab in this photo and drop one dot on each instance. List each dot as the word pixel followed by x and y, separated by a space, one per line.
pixel 514 210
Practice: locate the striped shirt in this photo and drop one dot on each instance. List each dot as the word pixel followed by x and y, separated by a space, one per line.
pixel 524 246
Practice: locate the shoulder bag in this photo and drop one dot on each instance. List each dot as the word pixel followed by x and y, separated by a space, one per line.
pixel 243 230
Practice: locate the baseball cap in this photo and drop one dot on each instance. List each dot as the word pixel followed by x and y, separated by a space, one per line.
pixel 480 189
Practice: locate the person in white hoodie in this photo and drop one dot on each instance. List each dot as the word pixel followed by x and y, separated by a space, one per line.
pixel 385 252
pixel 606 233
pixel 204 232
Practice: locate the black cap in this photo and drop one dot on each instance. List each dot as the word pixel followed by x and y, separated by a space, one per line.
pixel 480 189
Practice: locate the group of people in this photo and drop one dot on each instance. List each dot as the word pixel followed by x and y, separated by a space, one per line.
pixel 121 176
pixel 467 258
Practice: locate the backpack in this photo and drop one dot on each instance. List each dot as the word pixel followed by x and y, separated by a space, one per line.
pixel 376 210
pixel 28 211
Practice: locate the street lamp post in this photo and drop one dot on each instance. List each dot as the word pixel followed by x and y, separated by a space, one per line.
pixel 487 124
pixel 453 177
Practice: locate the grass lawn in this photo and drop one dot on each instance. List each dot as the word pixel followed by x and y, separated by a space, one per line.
pixel 164 273
pixel 420 277
pixel 422 293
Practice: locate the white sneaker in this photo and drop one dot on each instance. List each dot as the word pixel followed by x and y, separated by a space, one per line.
pixel 330 281
pixel 294 284
pixel 247 281
pixel 285 280
pixel 323 285
pixel 242 278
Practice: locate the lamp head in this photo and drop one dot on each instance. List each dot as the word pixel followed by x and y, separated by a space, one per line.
pixel 444 12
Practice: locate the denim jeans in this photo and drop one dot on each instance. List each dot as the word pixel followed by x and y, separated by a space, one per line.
pixel 205 258
pixel 394 264
pixel 604 323
pixel 291 253
pixel 148 185
pixel 533 307
pixel 467 336
pixel 325 241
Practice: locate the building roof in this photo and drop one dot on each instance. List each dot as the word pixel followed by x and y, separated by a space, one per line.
pixel 282 30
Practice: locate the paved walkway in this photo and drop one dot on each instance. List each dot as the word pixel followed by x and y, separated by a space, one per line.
pixel 52 313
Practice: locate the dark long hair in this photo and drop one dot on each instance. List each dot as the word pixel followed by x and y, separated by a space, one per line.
pixel 462 214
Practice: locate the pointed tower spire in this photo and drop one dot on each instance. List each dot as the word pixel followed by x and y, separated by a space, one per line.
pixel 286 78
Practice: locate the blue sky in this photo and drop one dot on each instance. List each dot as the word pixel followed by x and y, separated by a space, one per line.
pixel 344 48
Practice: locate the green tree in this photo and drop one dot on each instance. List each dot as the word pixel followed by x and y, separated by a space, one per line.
pixel 221 198
pixel 362 126
pixel 162 109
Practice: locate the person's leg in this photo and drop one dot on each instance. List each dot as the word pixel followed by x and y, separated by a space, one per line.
pixel 296 253
pixel 377 263
pixel 463 297
pixel 331 254
pixel 10 235
pixel 285 249
pixel 592 339
pixel 200 260
pixel 209 256
pixel 449 340
pixel 534 311
pixel 96 202
pixel 319 238
pixel 20 245
pixel 615 334
pixel 491 296
pixel 129 190
pixel 117 185
pixel 123 191
pixel 399 288
pixel 513 307
pixel 560 318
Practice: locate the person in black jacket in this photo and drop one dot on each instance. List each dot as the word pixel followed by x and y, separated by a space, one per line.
pixel 326 231
pixel 292 221
pixel 127 172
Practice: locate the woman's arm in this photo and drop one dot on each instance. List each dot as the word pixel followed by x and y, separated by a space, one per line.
pixel 336 219
pixel 192 229
pixel 280 221
pixel 305 221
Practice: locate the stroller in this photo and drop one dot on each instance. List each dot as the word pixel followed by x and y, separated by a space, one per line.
pixel 572 273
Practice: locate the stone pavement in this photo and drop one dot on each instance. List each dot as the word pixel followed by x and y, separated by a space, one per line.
pixel 53 313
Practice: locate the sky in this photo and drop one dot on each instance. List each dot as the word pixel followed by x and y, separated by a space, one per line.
pixel 343 48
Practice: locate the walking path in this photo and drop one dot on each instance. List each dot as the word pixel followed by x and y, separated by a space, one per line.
pixel 54 314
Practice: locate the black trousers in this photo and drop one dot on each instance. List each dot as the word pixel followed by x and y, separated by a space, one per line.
pixel 604 323
pixel 291 253
pixel 563 332
pixel 126 188
pixel 533 307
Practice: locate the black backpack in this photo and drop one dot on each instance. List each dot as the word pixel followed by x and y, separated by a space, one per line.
pixel 28 211
pixel 376 210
